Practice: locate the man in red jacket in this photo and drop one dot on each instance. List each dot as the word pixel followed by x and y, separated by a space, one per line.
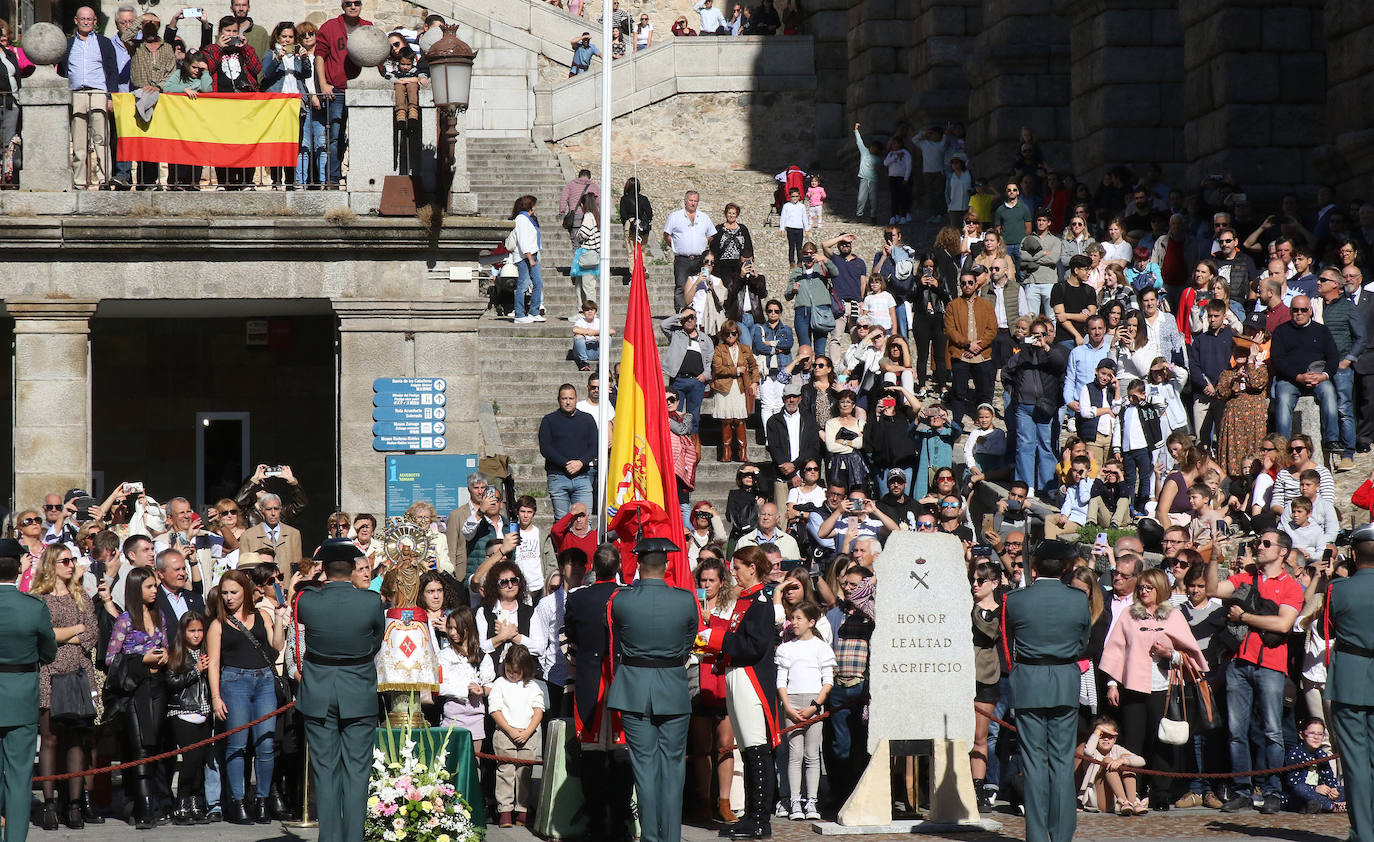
pixel 333 69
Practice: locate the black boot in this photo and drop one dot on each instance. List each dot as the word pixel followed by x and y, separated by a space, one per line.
pixel 594 777
pixel 88 811
pixel 759 783
pixel 203 811
pixel 145 816
pixel 261 810
pixel 234 812
pixel 47 819
pixel 181 814
pixel 74 819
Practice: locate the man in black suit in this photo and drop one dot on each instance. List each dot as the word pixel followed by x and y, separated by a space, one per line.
pixel 174 598
pixel 793 437
pixel 604 768
pixel 1353 280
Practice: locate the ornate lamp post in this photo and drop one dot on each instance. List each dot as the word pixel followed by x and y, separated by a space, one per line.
pixel 450 72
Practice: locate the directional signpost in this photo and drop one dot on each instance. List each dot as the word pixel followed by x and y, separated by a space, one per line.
pixel 409 413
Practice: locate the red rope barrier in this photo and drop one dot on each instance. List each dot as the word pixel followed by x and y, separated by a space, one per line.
pixel 1141 770
pixel 166 754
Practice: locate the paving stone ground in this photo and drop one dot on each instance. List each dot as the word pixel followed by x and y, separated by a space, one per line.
pixel 1176 825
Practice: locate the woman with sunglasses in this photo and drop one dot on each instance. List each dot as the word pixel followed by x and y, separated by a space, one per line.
pixel 74 622
pixel 735 383
pixel 1272 458
pixel 1287 484
pixel 1141 649
pixel 506 616
pixel 29 531
pixel 706 293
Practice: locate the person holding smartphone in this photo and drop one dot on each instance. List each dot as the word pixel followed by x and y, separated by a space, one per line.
pixel 137 655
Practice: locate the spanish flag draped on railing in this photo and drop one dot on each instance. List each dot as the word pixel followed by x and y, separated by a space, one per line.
pixel 213 130
pixel 641 464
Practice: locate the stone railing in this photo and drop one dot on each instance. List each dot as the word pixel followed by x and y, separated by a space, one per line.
pixel 47 186
pixel 675 66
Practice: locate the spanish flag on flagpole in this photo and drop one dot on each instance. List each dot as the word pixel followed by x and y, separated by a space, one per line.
pixel 213 130
pixel 641 463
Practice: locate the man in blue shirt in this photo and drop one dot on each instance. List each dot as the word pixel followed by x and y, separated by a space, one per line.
pixel 850 277
pixel 93 65
pixel 582 54
pixel 1083 360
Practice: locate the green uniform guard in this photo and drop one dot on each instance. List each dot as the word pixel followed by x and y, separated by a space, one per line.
pixel 26 629
pixel 653 627
pixel 1046 627
pixel 338 694
pixel 1350 682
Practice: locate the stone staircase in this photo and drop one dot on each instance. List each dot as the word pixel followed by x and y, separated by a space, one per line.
pixel 523 365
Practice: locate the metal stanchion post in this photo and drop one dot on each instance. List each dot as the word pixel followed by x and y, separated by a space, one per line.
pixel 305 820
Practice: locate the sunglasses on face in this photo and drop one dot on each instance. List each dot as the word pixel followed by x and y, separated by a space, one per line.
pixel 950 505
pixel 1299 309
pixel 1266 543
pixel 1018 564
pixel 30 521
pixel 925 527
pixel 980 581
pixel 509 582
pixel 1298 448
pixel 52 507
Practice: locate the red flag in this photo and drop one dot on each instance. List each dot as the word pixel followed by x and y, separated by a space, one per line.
pixel 641 463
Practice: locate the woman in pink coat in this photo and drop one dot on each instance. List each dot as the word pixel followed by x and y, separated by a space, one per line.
pixel 1145 642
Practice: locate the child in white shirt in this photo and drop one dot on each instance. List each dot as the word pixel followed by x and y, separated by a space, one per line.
pixel 516 703
pixel 806 672
pixel 879 308
pixel 794 222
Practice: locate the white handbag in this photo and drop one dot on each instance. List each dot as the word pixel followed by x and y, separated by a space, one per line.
pixel 1175 732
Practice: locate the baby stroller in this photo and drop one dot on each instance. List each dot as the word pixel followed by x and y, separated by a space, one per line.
pixel 499 276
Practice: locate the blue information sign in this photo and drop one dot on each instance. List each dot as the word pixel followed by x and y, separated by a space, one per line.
pixel 386 443
pixel 440 479
pixel 386 429
pixel 409 413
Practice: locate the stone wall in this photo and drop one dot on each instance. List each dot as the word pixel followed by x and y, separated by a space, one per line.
pixel 1349 158
pixel 827 21
pixel 879 44
pixel 1255 91
pixel 714 130
pixel 1126 85
pixel 942 36
pixel 1019 76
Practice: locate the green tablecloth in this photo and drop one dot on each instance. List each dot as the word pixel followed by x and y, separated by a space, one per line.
pixel 460 761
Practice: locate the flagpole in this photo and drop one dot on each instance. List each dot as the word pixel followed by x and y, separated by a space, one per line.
pixel 604 299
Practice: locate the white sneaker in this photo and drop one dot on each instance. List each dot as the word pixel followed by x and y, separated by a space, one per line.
pixel 538 318
pixel 812 814
pixel 796 815
pixel 780 810
pixel 524 320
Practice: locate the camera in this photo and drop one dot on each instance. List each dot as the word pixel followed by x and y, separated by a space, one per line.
pixel 192 14
pixel 982 551
pixel 132 488
pixel 235 42
pixel 272 471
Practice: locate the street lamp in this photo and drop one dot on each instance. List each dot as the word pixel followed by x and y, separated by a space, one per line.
pixel 450 73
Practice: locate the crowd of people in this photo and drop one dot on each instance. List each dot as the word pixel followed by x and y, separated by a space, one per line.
pixel 233 54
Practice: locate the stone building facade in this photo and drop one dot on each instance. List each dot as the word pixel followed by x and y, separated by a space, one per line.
pixel 1267 92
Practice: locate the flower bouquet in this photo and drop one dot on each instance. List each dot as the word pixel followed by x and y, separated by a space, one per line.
pixel 411 800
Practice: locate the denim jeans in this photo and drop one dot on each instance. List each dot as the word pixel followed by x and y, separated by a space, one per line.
pixel 1038 300
pixel 868 199
pixel 1138 472
pixel 338 135
pixel 529 278
pixel 1254 690
pixel 846 740
pixel 564 491
pixel 1344 381
pixel 1034 451
pixel 801 324
pixel 313 161
pixel 693 391
pixel 249 694
pixel 1286 397
pixel 903 328
pixel 1004 706
pixel 586 350
pixel 1014 252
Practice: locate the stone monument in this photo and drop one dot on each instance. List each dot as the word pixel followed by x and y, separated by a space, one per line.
pixel 921 686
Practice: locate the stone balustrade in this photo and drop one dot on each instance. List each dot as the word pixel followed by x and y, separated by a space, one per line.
pixel 674 66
